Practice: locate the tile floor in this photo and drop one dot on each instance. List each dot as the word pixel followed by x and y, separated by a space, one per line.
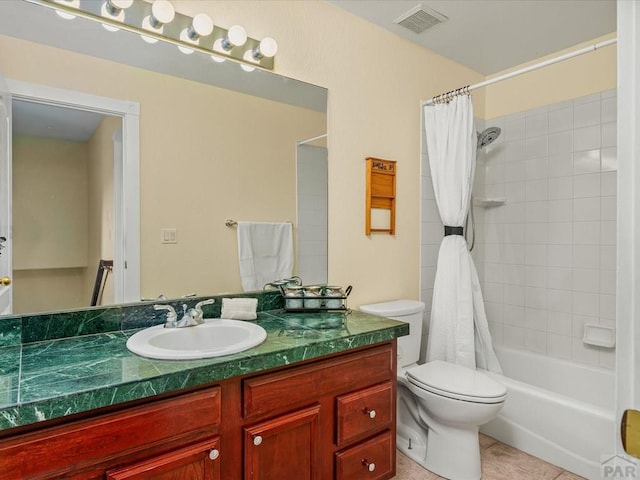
pixel 499 462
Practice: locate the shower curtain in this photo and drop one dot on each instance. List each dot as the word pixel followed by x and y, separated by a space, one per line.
pixel 458 331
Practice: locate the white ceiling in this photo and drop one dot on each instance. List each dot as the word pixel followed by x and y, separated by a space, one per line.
pixel 489 36
pixel 49 121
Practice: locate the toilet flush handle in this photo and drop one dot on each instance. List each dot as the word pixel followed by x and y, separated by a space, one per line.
pixel 371 413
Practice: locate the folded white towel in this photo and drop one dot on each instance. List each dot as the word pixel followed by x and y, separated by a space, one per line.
pixel 265 253
pixel 239 308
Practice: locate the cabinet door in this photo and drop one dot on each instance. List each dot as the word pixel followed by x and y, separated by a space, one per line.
pixel 196 462
pixel 283 448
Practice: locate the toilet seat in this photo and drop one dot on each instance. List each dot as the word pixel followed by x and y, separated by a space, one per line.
pixel 456 382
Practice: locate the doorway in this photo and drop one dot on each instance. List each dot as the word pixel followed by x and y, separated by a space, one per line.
pixel 104 192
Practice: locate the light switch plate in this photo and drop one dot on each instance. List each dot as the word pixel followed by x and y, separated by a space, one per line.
pixel 168 235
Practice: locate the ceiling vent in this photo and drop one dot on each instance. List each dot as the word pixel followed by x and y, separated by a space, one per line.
pixel 420 18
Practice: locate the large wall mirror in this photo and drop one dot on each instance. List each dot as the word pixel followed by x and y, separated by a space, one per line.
pixel 215 143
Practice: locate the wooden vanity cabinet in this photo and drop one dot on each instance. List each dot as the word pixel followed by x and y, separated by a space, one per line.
pixel 168 433
pixel 323 419
pixel 352 400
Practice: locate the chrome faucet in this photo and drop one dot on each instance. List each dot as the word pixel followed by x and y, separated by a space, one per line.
pixel 190 316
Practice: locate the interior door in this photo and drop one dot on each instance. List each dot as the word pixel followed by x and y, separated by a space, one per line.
pixel 5 199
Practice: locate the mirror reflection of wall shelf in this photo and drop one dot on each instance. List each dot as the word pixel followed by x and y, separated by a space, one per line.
pixel 489 202
pixel 380 196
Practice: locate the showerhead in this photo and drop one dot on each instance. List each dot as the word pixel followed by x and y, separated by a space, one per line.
pixel 488 136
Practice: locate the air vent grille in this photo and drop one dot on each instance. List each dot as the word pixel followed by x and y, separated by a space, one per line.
pixel 420 18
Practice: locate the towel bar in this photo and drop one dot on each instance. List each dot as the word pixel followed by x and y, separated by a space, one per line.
pixel 233 223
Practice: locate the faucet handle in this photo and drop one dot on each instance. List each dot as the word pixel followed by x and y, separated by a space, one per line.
pixel 172 316
pixel 199 305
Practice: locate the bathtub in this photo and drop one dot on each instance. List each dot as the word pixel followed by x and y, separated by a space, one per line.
pixel 560 411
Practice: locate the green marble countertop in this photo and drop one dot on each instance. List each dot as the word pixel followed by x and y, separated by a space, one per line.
pixel 53 378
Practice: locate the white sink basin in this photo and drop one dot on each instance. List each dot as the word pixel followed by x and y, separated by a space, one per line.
pixel 214 338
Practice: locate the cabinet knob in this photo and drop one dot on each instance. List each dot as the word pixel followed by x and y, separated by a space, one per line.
pixel 257 440
pixel 369 465
pixel 214 454
pixel 371 413
pixel 5 281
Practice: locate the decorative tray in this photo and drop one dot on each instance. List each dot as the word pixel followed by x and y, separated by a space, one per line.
pixel 303 299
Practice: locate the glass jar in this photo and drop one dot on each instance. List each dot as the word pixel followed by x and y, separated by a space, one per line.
pixel 312 294
pixel 334 291
pixel 293 296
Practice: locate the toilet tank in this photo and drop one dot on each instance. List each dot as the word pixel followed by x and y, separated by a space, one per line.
pixel 409 311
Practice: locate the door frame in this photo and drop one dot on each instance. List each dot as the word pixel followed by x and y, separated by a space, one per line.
pixel 126 246
pixel 628 224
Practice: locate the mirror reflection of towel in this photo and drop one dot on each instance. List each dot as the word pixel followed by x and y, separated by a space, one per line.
pixel 265 253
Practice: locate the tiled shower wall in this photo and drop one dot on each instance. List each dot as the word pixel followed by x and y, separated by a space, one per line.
pixel 546 257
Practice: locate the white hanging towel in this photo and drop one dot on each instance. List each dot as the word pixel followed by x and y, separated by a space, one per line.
pixel 265 253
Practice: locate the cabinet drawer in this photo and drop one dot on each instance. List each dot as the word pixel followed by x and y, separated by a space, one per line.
pixel 364 412
pixel 83 443
pixel 283 390
pixel 195 462
pixel 369 460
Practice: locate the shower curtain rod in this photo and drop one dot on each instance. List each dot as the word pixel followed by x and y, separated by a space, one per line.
pixel 560 58
pixel 312 139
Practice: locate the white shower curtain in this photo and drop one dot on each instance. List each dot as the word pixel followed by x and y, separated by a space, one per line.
pixel 458 332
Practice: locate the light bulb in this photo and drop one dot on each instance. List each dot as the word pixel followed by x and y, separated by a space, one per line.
pixel 162 12
pixel 146 24
pixel 201 26
pixel 247 68
pixel 217 59
pixel 68 3
pixel 236 36
pixel 184 36
pixel 268 48
pixel 115 7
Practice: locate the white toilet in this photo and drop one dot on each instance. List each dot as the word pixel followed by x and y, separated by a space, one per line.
pixel 440 404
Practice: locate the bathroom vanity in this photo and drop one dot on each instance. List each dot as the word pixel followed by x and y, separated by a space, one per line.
pixel 309 403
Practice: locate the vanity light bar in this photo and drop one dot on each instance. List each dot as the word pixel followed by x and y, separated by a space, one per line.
pixel 211 44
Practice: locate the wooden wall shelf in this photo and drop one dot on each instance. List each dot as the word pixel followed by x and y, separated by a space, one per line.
pixel 381 192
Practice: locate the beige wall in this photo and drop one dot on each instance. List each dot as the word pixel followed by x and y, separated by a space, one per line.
pixel 576 77
pixel 48 290
pixel 49 249
pixel 376 82
pixel 49 203
pixel 100 205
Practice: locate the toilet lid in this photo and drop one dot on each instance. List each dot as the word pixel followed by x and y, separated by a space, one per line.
pixel 456 381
